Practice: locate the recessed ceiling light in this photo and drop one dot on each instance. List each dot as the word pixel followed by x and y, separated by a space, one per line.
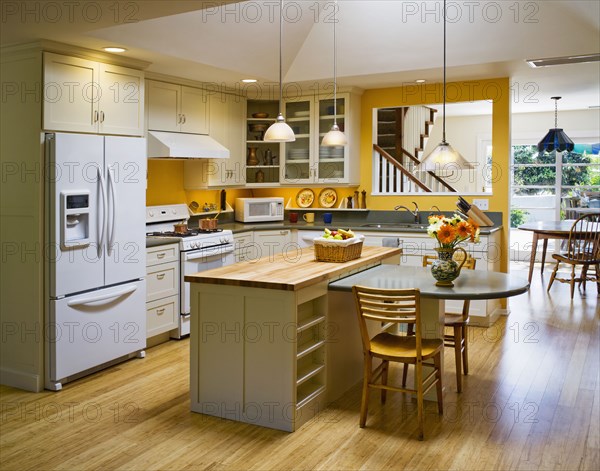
pixel 114 49
pixel 420 80
pixel 249 80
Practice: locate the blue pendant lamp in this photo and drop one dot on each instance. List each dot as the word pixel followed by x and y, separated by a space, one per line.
pixel 556 139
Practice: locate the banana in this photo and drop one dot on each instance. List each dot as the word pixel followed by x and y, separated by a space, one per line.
pixel 349 233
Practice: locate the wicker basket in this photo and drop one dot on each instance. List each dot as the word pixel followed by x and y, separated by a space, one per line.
pixel 337 253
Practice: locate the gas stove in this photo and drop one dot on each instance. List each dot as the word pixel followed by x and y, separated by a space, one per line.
pixel 160 221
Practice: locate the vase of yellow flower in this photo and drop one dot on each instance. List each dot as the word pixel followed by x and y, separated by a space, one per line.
pixel 449 232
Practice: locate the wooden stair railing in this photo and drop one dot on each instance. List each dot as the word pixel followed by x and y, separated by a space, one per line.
pixel 400 167
pixel 441 181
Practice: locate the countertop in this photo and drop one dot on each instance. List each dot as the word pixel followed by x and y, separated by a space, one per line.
pixel 289 272
pixel 470 284
pixel 356 226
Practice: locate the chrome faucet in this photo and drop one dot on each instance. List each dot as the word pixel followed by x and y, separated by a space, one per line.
pixel 415 213
pixel 434 207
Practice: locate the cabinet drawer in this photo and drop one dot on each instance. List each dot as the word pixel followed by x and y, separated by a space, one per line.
pixel 161 315
pixel 162 254
pixel 162 281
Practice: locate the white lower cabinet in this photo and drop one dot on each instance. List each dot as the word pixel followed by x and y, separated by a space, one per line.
pixel 162 289
pixel 271 242
pixel 244 248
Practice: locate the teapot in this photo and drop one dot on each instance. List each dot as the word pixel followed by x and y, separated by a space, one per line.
pixel 268 157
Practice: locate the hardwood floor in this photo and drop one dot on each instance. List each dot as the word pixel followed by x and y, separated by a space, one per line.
pixel 531 401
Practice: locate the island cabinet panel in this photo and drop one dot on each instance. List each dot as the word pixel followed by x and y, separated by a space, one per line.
pixel 269 339
pixel 219 329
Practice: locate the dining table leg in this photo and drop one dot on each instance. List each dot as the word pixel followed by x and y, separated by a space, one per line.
pixel 544 254
pixel 533 251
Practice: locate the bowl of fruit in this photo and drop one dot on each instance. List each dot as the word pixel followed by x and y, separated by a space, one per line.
pixel 339 245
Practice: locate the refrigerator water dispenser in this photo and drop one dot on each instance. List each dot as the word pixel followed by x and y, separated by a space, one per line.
pixel 75 220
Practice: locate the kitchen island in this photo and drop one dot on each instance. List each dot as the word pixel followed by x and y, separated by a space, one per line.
pixel 265 348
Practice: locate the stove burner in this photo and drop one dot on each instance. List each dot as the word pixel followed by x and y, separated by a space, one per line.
pixel 190 233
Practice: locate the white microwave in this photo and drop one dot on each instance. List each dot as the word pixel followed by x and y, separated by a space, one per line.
pixel 258 209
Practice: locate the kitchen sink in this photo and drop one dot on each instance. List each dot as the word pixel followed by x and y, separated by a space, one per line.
pixel 395 225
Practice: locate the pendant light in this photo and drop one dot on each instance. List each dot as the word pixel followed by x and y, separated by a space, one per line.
pixel 280 131
pixel 334 137
pixel 444 153
pixel 556 139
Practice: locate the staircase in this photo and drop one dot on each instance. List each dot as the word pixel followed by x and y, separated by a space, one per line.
pixel 402 134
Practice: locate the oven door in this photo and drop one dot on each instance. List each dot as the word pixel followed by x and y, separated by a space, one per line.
pixel 195 261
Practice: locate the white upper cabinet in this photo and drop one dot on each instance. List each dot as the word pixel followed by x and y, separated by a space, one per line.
pixel 227 127
pixel 305 160
pixel 81 95
pixel 177 108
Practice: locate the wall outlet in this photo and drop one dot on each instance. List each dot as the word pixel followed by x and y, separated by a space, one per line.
pixel 483 204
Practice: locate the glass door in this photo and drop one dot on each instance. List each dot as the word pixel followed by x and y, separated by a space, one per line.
pixel 297 166
pixel 331 163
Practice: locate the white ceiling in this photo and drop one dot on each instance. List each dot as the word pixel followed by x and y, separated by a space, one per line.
pixel 380 43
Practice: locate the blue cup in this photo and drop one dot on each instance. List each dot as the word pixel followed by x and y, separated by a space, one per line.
pixel 327 218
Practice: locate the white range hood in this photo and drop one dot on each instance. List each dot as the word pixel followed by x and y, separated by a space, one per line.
pixel 176 145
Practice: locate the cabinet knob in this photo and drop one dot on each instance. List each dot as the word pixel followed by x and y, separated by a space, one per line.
pixel 183 117
pixel 95 116
pixel 101 116
pixel 161 255
pixel 160 276
pixel 160 311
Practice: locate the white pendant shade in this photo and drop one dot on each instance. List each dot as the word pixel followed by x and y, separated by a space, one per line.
pixel 279 131
pixel 444 156
pixel 334 137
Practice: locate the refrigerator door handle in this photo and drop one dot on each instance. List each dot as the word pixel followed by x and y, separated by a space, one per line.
pixel 102 297
pixel 112 229
pixel 104 210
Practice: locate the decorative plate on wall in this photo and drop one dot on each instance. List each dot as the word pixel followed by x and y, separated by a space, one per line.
pixel 327 197
pixel 305 198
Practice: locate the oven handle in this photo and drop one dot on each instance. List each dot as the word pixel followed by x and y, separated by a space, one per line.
pixel 210 252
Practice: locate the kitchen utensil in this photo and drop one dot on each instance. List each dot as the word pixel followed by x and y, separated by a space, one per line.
pixel 223 200
pixel 327 218
pixel 293 217
pixel 180 228
pixel 309 217
pixel 194 206
pixel 363 202
pixel 356 200
pixel 208 224
pixel 252 159
pixel 260 115
pixel 258 127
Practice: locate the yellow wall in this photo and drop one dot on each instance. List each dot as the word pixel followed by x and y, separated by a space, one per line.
pixel 165 178
pixel 495 90
pixel 165 186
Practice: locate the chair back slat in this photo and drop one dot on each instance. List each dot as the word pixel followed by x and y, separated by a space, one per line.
pixel 584 239
pixel 388 307
pixel 458 256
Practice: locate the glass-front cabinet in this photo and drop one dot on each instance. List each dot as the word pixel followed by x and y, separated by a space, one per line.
pixel 298 166
pixel 305 160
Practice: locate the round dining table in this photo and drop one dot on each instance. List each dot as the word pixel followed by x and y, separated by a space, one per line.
pixel 545 230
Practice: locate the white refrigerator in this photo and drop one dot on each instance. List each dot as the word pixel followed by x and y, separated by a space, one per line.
pixel 95 254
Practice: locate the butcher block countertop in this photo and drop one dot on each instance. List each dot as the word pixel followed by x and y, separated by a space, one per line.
pixel 286 273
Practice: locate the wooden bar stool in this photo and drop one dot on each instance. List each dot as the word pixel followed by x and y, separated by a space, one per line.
pixel 459 323
pixel 386 308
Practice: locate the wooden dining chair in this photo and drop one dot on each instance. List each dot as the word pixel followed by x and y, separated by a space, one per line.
pixel 388 309
pixel 583 250
pixel 459 323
